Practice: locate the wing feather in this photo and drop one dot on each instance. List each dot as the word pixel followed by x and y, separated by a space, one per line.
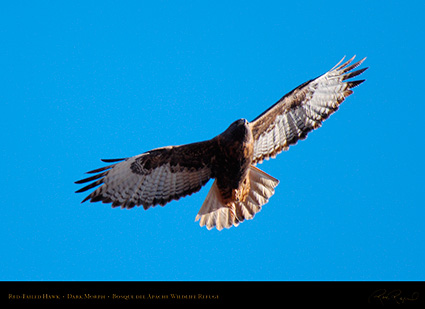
pixel 155 177
pixel 302 110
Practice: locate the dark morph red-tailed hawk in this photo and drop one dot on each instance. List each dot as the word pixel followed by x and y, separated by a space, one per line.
pixel 240 189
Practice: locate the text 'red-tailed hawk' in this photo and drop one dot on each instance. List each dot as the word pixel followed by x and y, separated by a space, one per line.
pixel 240 189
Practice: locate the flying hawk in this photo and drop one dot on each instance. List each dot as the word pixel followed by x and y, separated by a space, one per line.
pixel 240 189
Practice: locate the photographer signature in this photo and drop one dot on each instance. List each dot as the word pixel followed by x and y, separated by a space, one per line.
pixel 393 296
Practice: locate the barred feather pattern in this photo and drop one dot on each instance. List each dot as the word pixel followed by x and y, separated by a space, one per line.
pixel 302 110
pixel 215 213
pixel 152 178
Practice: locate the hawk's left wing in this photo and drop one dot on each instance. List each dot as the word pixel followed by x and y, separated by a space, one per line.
pixel 302 110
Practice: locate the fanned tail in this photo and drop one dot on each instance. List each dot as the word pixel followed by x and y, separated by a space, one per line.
pixel 215 213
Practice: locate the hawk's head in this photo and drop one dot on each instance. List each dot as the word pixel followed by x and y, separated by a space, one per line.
pixel 238 130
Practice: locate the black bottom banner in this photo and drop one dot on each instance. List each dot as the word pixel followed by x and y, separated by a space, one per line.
pixel 216 293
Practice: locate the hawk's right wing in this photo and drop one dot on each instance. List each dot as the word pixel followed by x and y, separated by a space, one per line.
pixel 154 177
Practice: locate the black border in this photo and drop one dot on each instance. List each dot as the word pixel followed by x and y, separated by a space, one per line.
pixel 380 293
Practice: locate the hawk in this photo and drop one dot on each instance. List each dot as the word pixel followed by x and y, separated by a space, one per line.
pixel 240 189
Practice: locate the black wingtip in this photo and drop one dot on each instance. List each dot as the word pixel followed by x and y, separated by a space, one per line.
pixel 86 199
pixel 100 169
pixel 112 160
pixel 79 191
pixel 353 74
pixel 91 178
pixel 355 83
pixel 90 186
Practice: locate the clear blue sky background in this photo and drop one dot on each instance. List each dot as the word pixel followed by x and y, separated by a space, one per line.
pixel 87 80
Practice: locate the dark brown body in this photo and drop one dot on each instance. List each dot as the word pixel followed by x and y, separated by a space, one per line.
pixel 233 160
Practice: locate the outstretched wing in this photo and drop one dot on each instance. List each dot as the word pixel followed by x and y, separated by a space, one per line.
pixel 302 110
pixel 154 177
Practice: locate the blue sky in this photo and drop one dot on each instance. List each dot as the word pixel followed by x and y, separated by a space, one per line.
pixel 87 80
